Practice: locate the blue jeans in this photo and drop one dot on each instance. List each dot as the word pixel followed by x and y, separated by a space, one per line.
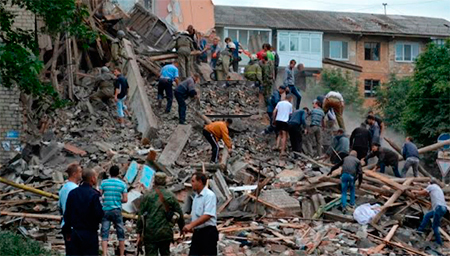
pixel 394 168
pixel 181 107
pixel 121 107
pixel 297 94
pixel 347 182
pixel 437 214
pixel 114 216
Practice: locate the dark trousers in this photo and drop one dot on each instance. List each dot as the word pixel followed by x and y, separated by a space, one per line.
pixel 165 85
pixel 297 94
pixel 394 168
pixel 204 241
pixel 235 64
pixel 295 135
pixel 152 249
pixel 214 145
pixel 361 151
pixel 181 107
pixel 84 242
pixel 67 244
pixel 334 159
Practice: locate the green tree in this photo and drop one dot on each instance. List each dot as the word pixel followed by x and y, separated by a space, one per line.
pixel 427 109
pixel 391 100
pixel 19 65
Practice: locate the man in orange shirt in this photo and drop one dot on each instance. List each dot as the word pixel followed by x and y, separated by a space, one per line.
pixel 214 132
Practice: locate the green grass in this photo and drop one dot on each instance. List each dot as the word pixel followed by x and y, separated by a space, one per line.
pixel 12 244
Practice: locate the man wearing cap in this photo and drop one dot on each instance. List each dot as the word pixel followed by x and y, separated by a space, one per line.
pixel 118 52
pixel 104 86
pixel 334 100
pixel 267 69
pixel 273 101
pixel 158 212
pixel 339 148
pixel 168 76
pixel 184 45
pixel 289 81
pixel 386 157
pixel 438 208
pixel 253 71
pixel 74 171
pixel 223 64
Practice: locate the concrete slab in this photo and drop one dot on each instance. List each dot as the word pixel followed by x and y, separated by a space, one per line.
pixel 177 141
pixel 281 198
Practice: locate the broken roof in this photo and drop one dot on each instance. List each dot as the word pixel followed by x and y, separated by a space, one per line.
pixel 340 22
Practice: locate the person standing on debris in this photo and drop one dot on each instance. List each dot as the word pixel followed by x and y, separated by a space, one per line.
pixel 235 56
pixel 118 53
pixel 274 99
pixel 223 64
pixel 120 95
pixel 192 33
pixel 158 212
pixel 438 208
pixel 168 75
pixel 184 45
pixel 411 155
pixel 203 48
pixel 105 84
pixel 183 91
pixel 83 215
pixel 378 120
pixel 351 172
pixel 316 126
pixel 253 72
pixel 204 220
pixel 214 132
pixel 215 52
pixel 74 171
pixel 361 141
pixel 281 117
pixel 114 193
pixel 385 157
pixel 297 125
pixel 374 129
pixel 289 81
pixel 267 78
pixel 335 101
pixel 339 148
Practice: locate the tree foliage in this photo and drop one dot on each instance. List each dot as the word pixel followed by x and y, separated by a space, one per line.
pixel 13 244
pixel 19 64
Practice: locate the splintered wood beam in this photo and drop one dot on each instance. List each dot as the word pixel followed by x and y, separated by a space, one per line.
pixel 386 239
pixel 386 180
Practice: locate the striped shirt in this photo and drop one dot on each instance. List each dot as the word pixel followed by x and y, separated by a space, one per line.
pixel 113 189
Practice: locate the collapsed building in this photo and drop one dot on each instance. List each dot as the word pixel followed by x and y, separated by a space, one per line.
pixel 266 205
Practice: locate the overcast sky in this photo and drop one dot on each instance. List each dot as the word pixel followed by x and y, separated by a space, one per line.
pixel 427 8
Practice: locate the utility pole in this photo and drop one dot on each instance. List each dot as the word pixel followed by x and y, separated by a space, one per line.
pixel 384 4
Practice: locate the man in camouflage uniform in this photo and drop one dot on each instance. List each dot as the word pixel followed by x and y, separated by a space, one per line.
pixel 223 64
pixel 104 84
pixel 184 45
pixel 119 57
pixel 253 71
pixel 154 227
pixel 267 77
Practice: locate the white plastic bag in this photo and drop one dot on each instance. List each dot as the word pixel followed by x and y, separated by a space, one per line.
pixel 363 214
pixel 331 115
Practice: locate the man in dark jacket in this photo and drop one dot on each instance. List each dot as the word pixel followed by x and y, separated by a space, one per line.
pixel 297 124
pixel 374 129
pixel 183 91
pixel 83 215
pixel 361 141
pixel 385 157
pixel 411 155
pixel 351 171
pixel 339 148
pixel 158 211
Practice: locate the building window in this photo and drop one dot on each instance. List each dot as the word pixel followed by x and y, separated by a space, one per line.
pixel 305 43
pixel 370 88
pixel 337 50
pixel 372 51
pixel 406 52
pixel 245 37
pixel 439 42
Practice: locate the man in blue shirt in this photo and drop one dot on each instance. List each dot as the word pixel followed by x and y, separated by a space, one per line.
pixel 83 215
pixel 168 75
pixel 114 194
pixel 289 81
pixel 215 52
pixel 120 95
pixel 411 155
pixel 74 171
pixel 273 101
pixel 297 124
pixel 183 91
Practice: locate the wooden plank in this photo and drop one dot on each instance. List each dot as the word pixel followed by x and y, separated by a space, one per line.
pixel 284 238
pixel 386 239
pixel 390 202
pixel 445 234
pixel 32 215
pixel 386 180
pixel 175 146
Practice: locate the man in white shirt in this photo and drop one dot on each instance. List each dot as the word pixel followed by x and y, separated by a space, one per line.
pixel 204 219
pixel 438 208
pixel 334 100
pixel 74 171
pixel 281 117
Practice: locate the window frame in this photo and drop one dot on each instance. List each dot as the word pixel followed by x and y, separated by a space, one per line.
pixel 403 44
pixel 259 30
pixel 372 87
pixel 371 51
pixel 342 49
pixel 299 35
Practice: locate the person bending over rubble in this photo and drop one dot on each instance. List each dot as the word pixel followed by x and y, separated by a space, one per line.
pixel 351 172
pixel 334 101
pixel 340 146
pixel 438 208
pixel 105 84
pixel 120 95
pixel 385 157
pixel 297 125
pixel 281 117
pixel 183 91
pixel 411 155
pixel 168 75
pixel 215 131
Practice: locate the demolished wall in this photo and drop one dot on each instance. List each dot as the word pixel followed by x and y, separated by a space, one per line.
pixel 10 122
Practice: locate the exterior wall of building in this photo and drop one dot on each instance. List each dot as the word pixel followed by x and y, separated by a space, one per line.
pixel 24 19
